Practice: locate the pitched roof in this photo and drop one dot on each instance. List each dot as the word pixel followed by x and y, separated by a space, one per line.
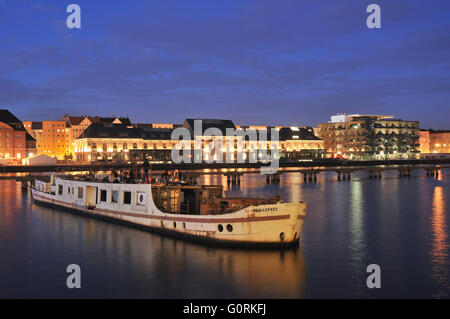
pixel 222 125
pixel 7 117
pixel 287 133
pixel 109 120
pixel 125 121
pixel 99 130
pixel 28 137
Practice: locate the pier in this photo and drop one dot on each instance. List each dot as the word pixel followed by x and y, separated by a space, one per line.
pixel 327 163
pixel 234 175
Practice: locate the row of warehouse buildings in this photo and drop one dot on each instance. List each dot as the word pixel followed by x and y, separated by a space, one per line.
pixel 94 138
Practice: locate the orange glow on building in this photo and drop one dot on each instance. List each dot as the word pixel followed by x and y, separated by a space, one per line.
pixel 56 138
pixel 15 142
pixel 424 141
pixel 440 142
pixel 162 125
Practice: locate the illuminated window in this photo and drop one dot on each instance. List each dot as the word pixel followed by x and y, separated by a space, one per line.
pixel 114 196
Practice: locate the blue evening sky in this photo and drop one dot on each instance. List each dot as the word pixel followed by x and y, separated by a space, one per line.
pixel 274 62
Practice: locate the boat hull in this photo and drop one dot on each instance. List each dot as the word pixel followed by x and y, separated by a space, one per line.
pixel 264 226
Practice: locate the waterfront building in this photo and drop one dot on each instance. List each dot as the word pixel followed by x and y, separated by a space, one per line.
pixel 295 142
pixel 439 141
pixel 35 130
pixel 78 124
pixel 300 143
pixel 15 142
pixel 56 139
pixel 358 136
pixel 119 142
pixel 424 141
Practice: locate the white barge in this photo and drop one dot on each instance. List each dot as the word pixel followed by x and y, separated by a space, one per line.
pixel 197 213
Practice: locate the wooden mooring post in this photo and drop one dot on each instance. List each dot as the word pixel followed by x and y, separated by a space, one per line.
pixel 433 171
pixel 376 173
pixel 233 177
pixel 310 176
pixel 344 174
pixel 273 178
pixel 405 172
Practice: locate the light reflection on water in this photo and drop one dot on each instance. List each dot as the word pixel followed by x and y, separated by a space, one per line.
pixel 439 253
pixel 400 224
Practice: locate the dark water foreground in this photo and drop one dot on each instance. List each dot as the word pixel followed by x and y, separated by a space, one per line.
pixel 401 224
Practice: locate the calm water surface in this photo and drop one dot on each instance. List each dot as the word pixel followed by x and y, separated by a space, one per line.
pixel 401 224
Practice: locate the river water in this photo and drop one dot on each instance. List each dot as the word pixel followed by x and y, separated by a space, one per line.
pixel 400 224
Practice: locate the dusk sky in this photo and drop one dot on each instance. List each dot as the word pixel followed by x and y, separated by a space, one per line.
pixel 275 62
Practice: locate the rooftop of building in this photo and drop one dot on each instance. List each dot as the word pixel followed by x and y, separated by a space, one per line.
pixel 437 131
pixel 73 120
pixel 29 138
pixel 297 133
pixel 76 120
pixel 220 124
pixel 7 117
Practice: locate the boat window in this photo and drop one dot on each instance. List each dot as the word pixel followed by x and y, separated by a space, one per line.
pixel 114 196
pixel 127 198
pixel 141 198
pixel 60 189
pixel 80 192
pixel 103 195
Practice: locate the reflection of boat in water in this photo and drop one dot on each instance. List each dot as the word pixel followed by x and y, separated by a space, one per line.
pixel 129 263
pixel 241 273
pixel 193 212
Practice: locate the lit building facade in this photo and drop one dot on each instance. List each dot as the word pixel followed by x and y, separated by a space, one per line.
pixel 55 139
pixel 35 130
pixel 300 143
pixel 424 141
pixel 358 137
pixel 122 143
pixel 439 141
pixel 15 142
pixel 119 142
